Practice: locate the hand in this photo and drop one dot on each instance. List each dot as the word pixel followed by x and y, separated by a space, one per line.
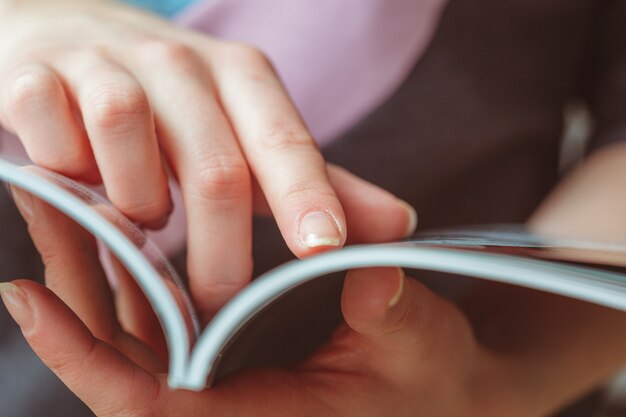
pixel 402 352
pixel 101 91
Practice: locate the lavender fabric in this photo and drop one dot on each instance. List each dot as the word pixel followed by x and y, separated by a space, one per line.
pixel 339 60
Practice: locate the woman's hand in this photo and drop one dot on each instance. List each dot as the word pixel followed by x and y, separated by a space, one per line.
pixel 403 351
pixel 104 92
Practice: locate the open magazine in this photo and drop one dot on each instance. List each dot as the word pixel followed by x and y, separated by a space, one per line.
pixel 580 270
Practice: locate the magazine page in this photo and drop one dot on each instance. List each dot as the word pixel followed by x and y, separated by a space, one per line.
pixel 514 239
pixel 503 255
pixel 506 254
pixel 140 256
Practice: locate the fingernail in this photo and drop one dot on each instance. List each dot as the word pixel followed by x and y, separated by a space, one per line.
pixel 412 218
pixel 24 202
pixel 15 301
pixel 318 228
pixel 393 301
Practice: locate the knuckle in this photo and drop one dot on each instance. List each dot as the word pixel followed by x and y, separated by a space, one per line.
pixel 282 135
pixel 70 160
pixel 51 257
pixel 222 279
pixel 245 54
pixel 55 260
pixel 252 64
pixel 175 56
pixel 134 401
pixel 222 283
pixel 50 160
pixel 62 363
pixel 221 177
pixel 65 362
pixel 168 51
pixel 304 191
pixel 112 105
pixel 30 84
pixel 144 210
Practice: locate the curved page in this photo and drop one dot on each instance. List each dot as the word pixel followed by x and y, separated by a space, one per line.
pixel 463 255
pixel 128 243
pixel 507 255
pixel 515 240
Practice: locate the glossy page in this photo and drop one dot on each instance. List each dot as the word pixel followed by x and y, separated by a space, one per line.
pixel 140 256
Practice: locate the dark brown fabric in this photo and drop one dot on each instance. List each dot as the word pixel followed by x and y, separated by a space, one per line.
pixel 472 136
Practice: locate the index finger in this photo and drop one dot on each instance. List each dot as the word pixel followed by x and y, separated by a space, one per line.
pixel 281 152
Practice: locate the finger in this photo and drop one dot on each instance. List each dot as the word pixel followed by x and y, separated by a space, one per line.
pixel 404 322
pixel 36 108
pixel 134 311
pixel 282 154
pixel 119 221
pixel 119 122
pixel 107 382
pixel 372 213
pixel 74 273
pixel 212 171
pixel 73 269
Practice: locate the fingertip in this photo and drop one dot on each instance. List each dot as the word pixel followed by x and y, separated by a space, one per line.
pixel 30 297
pixel 150 206
pixel 319 230
pixel 401 314
pixel 85 364
pixel 395 299
pixel 368 294
pixel 411 218
pixel 23 201
pixel 38 109
pixel 28 302
pixel 27 285
pixel 15 298
pixel 46 222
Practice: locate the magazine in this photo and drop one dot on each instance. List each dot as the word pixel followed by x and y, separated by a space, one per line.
pixel 508 254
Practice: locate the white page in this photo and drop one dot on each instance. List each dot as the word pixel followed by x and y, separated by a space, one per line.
pixel 136 252
pixel 587 284
pixel 481 253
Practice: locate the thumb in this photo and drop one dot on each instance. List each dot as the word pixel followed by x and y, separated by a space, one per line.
pixel 403 321
pixel 109 383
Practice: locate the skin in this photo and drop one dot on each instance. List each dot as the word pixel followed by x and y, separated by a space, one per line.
pixel 106 93
pixel 503 351
pixel 402 350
